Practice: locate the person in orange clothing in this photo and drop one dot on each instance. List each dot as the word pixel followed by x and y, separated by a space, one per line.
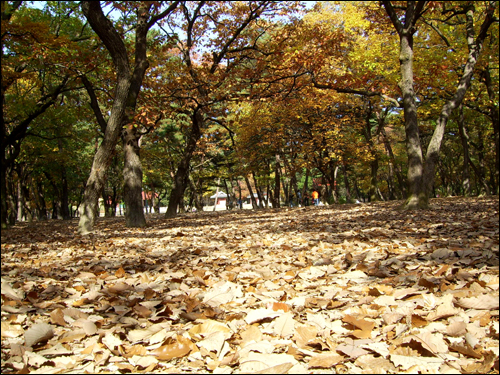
pixel 315 198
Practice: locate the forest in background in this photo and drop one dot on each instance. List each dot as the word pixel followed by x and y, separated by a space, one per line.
pixel 102 101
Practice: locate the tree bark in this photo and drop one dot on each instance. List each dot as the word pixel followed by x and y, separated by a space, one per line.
pixel 182 174
pixel 495 122
pixel 252 197
pixel 132 176
pixel 475 46
pixel 421 177
pixel 465 146
pixel 128 85
pixel 347 185
pixel 277 182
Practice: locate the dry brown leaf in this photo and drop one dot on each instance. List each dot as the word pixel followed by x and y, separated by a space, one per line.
pixel 325 360
pixel 362 324
pixel 38 333
pixel 465 349
pixel 456 328
pixel 482 302
pixel 284 325
pixel 57 317
pixel 277 369
pixel 375 365
pixel 484 366
pixel 11 330
pixel 303 334
pixel 178 347
pixel 252 333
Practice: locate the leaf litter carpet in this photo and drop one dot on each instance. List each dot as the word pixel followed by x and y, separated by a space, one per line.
pixel 363 288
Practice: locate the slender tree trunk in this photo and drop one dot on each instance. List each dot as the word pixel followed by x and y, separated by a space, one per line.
pixel 216 195
pixel 20 201
pixel 277 182
pixel 182 174
pixel 3 186
pixel 132 176
pixel 495 122
pixel 347 185
pixel 66 215
pixel 373 179
pixel 421 177
pixel 42 207
pixel 252 197
pixel 465 146
pixel 305 187
pixel 393 166
pixel 258 190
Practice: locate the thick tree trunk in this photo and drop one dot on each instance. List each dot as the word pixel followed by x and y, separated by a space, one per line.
pixel 128 85
pixel 116 121
pixel 182 174
pixel 132 176
pixel 417 197
pixel 102 161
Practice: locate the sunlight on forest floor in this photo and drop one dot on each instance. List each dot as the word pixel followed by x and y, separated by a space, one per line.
pixel 345 289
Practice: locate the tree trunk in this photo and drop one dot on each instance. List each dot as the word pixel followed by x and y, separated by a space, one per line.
pixel 128 85
pixel 3 186
pixel 277 182
pixel 132 176
pixel 20 199
pixel 216 195
pixel 65 214
pixel 373 178
pixel 258 190
pixel 392 164
pixel 252 197
pixel 421 177
pixel 347 185
pixel 495 122
pixel 182 174
pixel 305 187
pixel 465 146
pixel 42 207
pixel 417 197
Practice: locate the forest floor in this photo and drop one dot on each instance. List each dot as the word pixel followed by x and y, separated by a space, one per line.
pixel 364 288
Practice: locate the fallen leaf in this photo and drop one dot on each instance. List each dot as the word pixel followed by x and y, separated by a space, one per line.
pixel 325 360
pixel 482 302
pixel 38 333
pixel 179 347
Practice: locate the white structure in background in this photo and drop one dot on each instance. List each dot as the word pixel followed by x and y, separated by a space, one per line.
pixel 220 199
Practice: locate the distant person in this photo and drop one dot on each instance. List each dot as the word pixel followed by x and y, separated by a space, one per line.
pixel 315 197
